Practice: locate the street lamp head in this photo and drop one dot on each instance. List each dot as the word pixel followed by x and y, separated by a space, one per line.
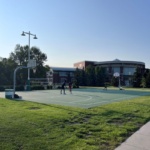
pixel 23 34
pixel 35 37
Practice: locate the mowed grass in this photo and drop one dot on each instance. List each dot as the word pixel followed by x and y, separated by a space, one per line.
pixel 33 126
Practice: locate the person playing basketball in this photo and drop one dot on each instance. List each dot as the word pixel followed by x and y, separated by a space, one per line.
pixel 105 87
pixel 70 87
pixel 63 87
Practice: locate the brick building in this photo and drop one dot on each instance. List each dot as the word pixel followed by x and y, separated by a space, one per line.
pixel 126 69
pixel 57 75
pixel 84 64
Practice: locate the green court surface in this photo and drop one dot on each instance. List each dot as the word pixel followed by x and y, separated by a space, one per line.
pixel 84 98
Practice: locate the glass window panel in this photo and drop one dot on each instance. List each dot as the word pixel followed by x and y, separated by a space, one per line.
pixel 62 74
pixel 116 69
pixel 128 71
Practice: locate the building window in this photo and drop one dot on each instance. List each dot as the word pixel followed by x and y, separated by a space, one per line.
pixel 116 69
pixel 71 74
pixel 63 74
pixel 107 69
pixel 62 80
pixel 128 71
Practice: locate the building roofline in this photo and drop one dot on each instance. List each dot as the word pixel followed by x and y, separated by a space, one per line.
pixel 86 61
pixel 63 68
pixel 120 61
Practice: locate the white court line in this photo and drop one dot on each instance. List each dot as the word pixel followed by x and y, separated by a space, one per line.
pixel 82 99
pixel 71 102
pixel 107 101
pixel 54 97
pixel 88 99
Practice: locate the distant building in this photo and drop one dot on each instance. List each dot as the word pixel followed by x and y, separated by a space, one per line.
pixel 126 69
pixel 84 64
pixel 57 75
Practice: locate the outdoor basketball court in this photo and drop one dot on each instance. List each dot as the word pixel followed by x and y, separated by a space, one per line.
pixel 84 98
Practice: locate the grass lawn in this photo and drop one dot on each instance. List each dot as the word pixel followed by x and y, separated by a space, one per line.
pixel 33 126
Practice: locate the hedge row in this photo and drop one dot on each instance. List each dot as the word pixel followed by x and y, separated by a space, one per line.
pixel 22 88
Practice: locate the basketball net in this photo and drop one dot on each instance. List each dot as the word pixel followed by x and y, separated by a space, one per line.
pixel 116 74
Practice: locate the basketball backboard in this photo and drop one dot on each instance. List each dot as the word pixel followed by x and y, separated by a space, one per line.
pixel 116 74
pixel 31 63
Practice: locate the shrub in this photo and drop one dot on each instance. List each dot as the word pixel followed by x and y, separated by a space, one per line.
pixel 49 87
pixel 2 88
pixel 37 87
pixel 20 88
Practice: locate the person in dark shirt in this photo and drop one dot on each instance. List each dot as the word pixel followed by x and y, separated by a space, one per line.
pixel 70 87
pixel 105 87
pixel 63 87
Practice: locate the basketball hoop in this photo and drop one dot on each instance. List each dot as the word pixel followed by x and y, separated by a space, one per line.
pixel 116 74
pixel 31 63
pixel 34 70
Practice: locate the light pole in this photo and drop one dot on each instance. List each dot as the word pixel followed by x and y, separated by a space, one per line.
pixel 23 34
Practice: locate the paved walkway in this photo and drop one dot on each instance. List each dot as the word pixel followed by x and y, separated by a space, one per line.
pixel 140 140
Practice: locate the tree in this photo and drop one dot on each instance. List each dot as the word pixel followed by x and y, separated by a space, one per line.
pixel 90 74
pixel 137 77
pixel 38 56
pixel 100 76
pixel 40 59
pixel 143 82
pixel 20 57
pixel 83 79
pixel 6 66
pixel 148 79
pixel 115 81
pixel 2 73
pixel 77 77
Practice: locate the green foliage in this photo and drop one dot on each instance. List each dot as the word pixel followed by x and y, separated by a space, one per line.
pixel 20 57
pixel 148 79
pixel 100 76
pixel 90 73
pixel 97 76
pixel 143 82
pixel 6 74
pixel 115 81
pixel 49 87
pixel 29 126
pixel 83 79
pixel 91 76
pixel 137 77
pixel 37 87
pixel 77 77
pixel 20 88
pixel 2 88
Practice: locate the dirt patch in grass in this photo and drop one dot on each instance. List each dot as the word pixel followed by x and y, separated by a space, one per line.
pixel 34 108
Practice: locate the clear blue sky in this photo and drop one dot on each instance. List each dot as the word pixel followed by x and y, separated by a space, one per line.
pixel 69 31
